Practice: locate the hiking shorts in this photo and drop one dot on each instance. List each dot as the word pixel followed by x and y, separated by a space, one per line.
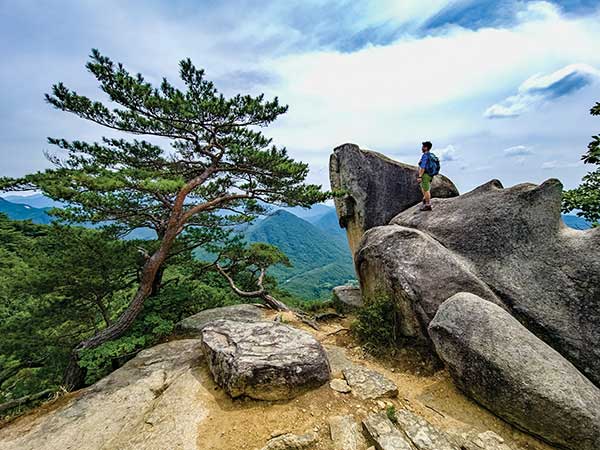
pixel 426 182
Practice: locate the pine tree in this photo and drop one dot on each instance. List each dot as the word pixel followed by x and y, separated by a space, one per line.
pixel 218 161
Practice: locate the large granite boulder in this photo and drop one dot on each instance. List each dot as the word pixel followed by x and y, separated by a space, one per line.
pixel 506 368
pixel 263 360
pixel 376 188
pixel 508 246
pixel 151 403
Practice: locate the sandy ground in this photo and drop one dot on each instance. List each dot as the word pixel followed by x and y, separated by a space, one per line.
pixel 247 424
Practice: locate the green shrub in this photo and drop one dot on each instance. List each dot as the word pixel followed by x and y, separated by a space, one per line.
pixel 375 325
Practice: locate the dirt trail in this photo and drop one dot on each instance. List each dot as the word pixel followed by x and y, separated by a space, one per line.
pixel 248 424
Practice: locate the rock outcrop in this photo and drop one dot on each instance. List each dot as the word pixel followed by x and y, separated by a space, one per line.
pixel 347 298
pixel 503 366
pixel 422 434
pixel 508 246
pixel 131 409
pixel 263 360
pixel 376 188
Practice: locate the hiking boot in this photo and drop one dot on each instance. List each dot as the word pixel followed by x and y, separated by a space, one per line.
pixel 425 208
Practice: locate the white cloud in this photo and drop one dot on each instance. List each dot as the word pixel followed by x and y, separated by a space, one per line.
pixel 518 150
pixel 539 88
pixel 554 164
pixel 447 153
pixel 539 11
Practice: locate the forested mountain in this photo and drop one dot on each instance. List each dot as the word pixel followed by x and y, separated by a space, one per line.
pixel 330 224
pixel 321 260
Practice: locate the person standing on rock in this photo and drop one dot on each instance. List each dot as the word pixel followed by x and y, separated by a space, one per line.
pixel 429 166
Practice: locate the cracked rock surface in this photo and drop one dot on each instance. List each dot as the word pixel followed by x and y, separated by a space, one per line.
pixel 263 360
pixel 369 384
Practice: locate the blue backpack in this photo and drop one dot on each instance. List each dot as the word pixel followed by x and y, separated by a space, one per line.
pixel 433 165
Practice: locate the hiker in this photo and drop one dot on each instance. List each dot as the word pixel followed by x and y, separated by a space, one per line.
pixel 429 166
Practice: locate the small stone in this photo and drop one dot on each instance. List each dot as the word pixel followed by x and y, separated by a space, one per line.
pixel 380 404
pixel 340 385
pixel 276 433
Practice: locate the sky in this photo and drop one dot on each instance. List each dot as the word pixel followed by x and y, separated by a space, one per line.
pixel 502 88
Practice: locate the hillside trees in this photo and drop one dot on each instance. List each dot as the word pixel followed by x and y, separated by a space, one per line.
pixel 586 197
pixel 218 161
pixel 59 285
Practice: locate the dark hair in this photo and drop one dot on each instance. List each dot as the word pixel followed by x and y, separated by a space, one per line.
pixel 428 145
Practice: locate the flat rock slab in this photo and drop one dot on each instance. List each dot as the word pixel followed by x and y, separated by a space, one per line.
pixel 369 384
pixel 422 434
pixel 338 361
pixel 263 360
pixel 150 403
pixel 346 434
pixel 292 442
pixel 194 324
pixel 384 433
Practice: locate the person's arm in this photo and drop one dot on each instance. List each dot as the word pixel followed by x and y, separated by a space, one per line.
pixel 422 165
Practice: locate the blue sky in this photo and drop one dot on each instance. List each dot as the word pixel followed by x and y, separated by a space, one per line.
pixel 502 88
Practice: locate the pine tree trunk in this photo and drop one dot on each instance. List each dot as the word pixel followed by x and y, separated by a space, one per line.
pixel 74 375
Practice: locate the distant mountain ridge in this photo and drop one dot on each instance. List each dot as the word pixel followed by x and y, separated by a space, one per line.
pixel 321 259
pixel 19 211
pixel 316 245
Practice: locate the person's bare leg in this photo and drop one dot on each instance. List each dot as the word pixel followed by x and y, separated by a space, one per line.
pixel 427 197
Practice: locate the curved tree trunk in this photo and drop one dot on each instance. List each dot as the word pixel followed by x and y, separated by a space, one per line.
pixel 74 375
